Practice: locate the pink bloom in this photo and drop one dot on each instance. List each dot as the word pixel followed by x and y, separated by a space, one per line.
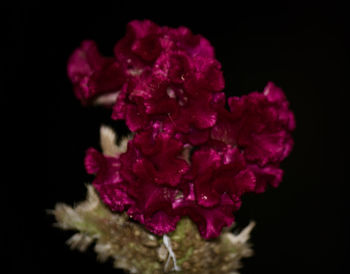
pixel 267 175
pixel 108 181
pixel 149 182
pixel 259 124
pixel 173 67
pixel 190 156
pixel 162 157
pixel 174 85
pixel 215 183
pixel 141 180
pixel 160 96
pixel 219 172
pixel 193 45
pixel 140 45
pixel 144 41
pixel 93 74
pixel 206 75
pixel 210 221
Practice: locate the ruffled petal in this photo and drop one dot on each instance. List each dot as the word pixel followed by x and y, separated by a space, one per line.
pixel 260 124
pixel 163 152
pixel 108 181
pixel 153 201
pixel 206 75
pixel 84 61
pixel 135 117
pixel 140 44
pixel 268 175
pixel 210 221
pixel 119 108
pixel 93 74
pixel 173 66
pixel 216 173
pixel 194 45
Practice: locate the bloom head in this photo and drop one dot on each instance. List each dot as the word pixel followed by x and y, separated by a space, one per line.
pixel 190 155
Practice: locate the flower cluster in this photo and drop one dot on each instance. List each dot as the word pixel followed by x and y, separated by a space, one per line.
pixel 190 154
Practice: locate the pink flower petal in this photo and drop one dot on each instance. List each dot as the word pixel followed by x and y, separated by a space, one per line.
pixel 93 74
pixel 260 124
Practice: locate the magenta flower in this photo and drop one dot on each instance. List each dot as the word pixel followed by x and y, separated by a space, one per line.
pixel 153 198
pixel 108 181
pixel 260 125
pixel 176 97
pixel 219 172
pixel 213 189
pixel 162 154
pixel 210 221
pixel 190 156
pixel 93 74
pixel 145 41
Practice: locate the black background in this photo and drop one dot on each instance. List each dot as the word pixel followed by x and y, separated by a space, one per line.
pixel 301 226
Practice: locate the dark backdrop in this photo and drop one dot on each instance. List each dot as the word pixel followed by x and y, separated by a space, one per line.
pixel 301 226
